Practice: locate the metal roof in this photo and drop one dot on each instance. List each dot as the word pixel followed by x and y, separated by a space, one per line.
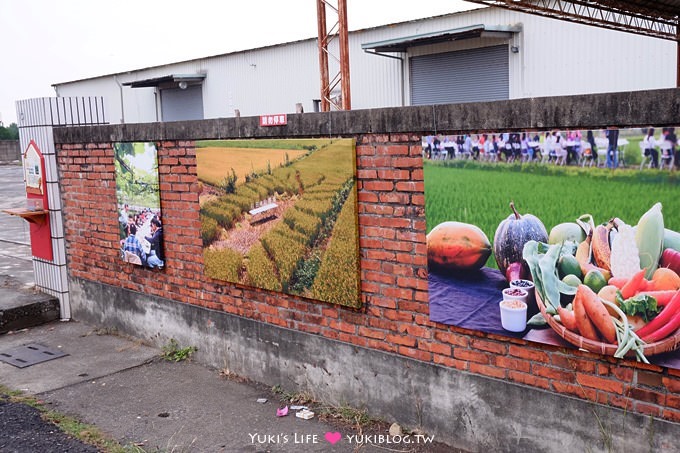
pixel 172 78
pixel 455 34
pixel 658 18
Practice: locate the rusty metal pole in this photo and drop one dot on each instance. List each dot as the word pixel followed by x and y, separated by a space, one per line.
pixel 344 55
pixel 323 55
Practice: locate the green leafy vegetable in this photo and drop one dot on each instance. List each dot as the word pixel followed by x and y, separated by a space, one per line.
pixel 642 305
pixel 537 321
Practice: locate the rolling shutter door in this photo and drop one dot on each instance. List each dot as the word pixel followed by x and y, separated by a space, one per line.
pixel 181 105
pixel 463 76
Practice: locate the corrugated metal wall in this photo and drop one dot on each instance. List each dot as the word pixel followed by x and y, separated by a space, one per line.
pixel 554 58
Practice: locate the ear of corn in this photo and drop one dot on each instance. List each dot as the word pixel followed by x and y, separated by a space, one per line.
pixel 649 235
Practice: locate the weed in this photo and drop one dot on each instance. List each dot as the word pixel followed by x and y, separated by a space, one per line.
pixel 229 182
pixel 174 353
pixel 304 398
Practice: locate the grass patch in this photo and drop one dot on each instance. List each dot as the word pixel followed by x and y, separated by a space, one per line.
pixel 480 194
pixel 71 426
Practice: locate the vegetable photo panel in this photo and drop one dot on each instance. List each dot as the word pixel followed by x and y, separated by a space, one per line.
pixel 564 237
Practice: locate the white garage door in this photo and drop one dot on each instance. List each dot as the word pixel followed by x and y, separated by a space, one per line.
pixel 463 76
pixel 181 105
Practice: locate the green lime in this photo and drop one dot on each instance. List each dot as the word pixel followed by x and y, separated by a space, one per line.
pixel 567 265
pixel 572 280
pixel 595 280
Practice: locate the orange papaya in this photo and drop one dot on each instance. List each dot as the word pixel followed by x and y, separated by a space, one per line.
pixel 457 246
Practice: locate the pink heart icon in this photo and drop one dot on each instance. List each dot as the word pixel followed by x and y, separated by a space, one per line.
pixel 333 438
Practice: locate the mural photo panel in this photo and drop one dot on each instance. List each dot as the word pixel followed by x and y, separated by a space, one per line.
pixel 139 207
pixel 281 215
pixel 569 238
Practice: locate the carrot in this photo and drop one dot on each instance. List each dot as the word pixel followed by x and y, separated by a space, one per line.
pixel 598 314
pixel 568 319
pixel 618 281
pixel 662 297
pixel 634 284
pixel 585 325
pixel 662 318
pixel 671 326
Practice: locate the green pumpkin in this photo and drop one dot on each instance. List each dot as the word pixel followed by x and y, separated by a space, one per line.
pixel 511 235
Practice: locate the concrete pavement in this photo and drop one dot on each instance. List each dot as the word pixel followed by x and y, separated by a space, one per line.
pixel 124 388
pixel 15 242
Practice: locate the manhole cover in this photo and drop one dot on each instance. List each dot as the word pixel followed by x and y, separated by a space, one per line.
pixel 29 354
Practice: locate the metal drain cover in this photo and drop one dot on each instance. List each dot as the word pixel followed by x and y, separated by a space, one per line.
pixel 29 354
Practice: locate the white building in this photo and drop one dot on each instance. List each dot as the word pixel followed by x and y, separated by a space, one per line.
pixel 478 55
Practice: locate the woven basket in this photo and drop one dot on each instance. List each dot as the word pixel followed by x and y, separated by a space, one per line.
pixel 667 344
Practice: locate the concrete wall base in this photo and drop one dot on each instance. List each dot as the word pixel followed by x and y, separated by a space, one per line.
pixel 466 411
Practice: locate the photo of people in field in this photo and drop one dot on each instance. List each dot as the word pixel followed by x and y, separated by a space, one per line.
pixel 139 207
pixel 281 215
pixel 564 237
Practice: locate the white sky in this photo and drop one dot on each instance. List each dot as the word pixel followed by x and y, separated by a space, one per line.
pixel 48 41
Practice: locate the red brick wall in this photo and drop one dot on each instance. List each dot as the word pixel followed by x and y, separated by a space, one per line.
pixel 394 316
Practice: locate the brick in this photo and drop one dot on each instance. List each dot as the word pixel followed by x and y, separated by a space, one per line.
pixel 487 370
pixel 673 385
pixel 450 362
pixel 574 390
pixel 435 347
pixel 372 333
pixel 573 363
pixel 471 356
pixel 342 326
pixel 382 302
pixel 402 340
pixel 392 150
pixel 381 345
pixel 672 415
pixel 648 409
pixel 414 330
pixel 410 186
pixel 452 338
pixel 599 383
pixel 393 174
pixel 649 379
pixel 648 396
pixel 417 354
pixel 553 373
pixel 529 379
pixel 672 401
pixel 488 346
pixel 530 354
pixel 398 315
pixel 510 363
pixel 378 186
pixel 378 277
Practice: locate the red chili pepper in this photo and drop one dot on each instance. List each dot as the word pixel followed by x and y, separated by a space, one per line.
pixel 662 318
pixel 664 331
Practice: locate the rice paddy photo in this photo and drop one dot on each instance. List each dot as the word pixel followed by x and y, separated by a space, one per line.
pixel 281 215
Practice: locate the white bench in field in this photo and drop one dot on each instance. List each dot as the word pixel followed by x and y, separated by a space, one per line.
pixel 263 212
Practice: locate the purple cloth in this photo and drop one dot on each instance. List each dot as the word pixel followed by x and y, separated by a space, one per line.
pixel 468 300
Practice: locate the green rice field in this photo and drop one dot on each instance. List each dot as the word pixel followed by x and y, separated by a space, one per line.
pixel 480 194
